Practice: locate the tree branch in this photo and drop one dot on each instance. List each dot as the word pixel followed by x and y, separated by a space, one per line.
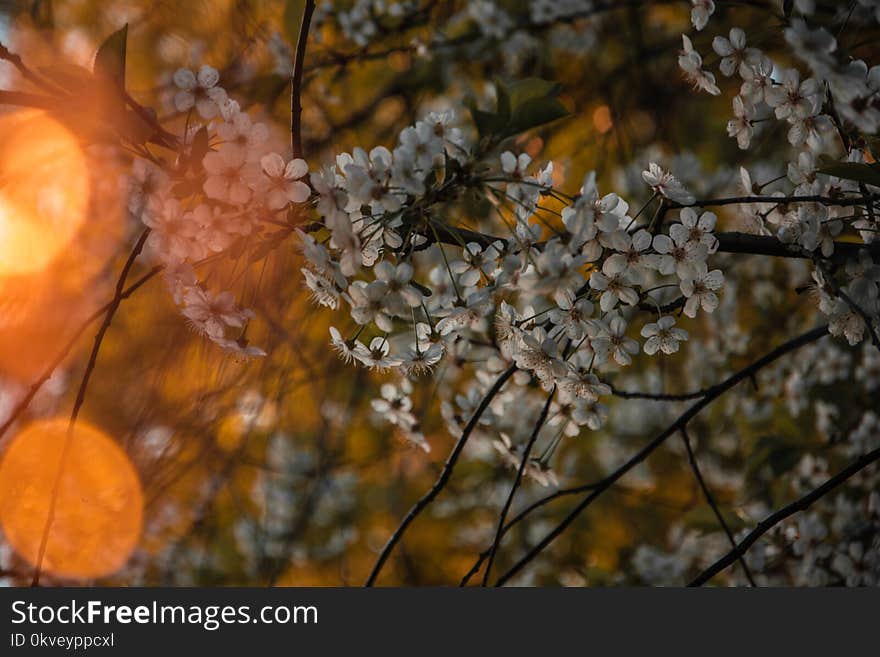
pixel 634 394
pixel 441 482
pixel 802 504
pixel 296 81
pixel 728 242
pixel 25 72
pixel 710 499
pixel 519 474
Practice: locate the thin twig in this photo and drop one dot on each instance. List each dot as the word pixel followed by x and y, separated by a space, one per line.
pixel 710 499
pixel 519 475
pixel 777 200
pixel 519 517
pixel 81 396
pixel 34 388
pixel 441 482
pixel 636 394
pixel 25 72
pixel 160 134
pixel 801 504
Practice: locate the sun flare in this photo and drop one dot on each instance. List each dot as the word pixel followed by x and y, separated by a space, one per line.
pixel 44 190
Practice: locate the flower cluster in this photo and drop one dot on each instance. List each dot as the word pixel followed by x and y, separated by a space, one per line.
pixel 227 187
pixel 813 109
pixel 419 289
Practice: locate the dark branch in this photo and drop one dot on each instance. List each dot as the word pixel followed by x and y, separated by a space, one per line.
pixel 519 474
pixel 768 523
pixel 728 242
pixel 296 81
pixel 710 499
pixel 635 394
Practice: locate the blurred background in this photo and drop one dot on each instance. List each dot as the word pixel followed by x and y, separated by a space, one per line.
pixel 275 471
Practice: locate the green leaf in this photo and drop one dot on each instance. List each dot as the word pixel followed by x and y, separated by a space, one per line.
pixel 294 10
pixel 110 60
pixel 536 112
pixel 503 104
pixel 863 173
pixel 523 91
pixel 487 123
pixel 521 105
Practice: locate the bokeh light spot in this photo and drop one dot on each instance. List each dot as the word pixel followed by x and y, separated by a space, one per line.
pixel 602 119
pixel 44 190
pixel 99 508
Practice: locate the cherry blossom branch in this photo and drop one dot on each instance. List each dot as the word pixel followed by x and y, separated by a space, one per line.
pixel 81 395
pixel 59 98
pixel 710 499
pixel 728 242
pixel 800 504
pixel 519 474
pixel 161 135
pixel 712 394
pixel 296 81
pixel 27 99
pixel 778 200
pixel 443 479
pixel 836 290
pixel 866 318
pixel 635 394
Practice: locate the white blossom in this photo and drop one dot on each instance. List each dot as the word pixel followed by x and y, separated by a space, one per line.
pixel 199 90
pixel 662 335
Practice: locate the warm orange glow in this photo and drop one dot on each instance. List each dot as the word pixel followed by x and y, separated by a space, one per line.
pixel 602 119
pixel 98 510
pixel 44 190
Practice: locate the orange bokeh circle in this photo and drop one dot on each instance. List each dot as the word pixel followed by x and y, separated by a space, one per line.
pixel 99 506
pixel 44 190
